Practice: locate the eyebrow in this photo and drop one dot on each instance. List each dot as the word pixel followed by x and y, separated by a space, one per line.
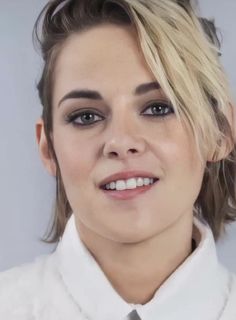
pixel 95 95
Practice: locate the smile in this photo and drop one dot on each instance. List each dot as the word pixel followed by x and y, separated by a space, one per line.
pixel 127 193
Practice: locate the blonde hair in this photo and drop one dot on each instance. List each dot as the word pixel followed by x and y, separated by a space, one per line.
pixel 182 51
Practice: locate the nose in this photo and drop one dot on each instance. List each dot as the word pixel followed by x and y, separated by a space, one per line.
pixel 123 142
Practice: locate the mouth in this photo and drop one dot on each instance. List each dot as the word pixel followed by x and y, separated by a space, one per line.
pixel 124 190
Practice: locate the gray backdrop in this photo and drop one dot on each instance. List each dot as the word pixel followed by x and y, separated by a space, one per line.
pixel 27 191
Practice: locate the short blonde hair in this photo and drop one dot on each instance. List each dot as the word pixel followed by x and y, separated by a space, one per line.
pixel 182 51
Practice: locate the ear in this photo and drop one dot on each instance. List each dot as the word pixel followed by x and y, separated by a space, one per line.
pixel 226 146
pixel 225 150
pixel 45 156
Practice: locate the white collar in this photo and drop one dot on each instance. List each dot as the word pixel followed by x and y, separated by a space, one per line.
pixel 198 287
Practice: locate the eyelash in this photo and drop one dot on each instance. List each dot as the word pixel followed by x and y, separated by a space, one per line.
pixel 71 118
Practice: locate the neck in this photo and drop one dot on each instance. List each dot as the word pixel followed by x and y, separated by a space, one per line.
pixel 137 270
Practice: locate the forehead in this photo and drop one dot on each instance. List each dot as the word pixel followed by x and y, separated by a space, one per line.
pixel 104 55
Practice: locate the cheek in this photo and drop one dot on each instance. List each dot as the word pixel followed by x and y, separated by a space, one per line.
pixel 75 157
pixel 175 148
pixel 185 167
pixel 171 144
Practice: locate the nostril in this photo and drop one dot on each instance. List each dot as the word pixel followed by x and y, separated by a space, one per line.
pixel 113 154
pixel 133 150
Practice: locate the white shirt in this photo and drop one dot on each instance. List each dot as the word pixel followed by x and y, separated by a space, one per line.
pixel 70 285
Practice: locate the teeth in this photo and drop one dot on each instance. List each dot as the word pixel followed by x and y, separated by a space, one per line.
pixel 139 182
pixel 112 185
pixel 131 183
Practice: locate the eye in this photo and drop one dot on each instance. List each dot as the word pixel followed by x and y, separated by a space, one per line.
pixel 84 118
pixel 159 109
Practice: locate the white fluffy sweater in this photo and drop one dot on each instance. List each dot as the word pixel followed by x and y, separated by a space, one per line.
pixel 69 285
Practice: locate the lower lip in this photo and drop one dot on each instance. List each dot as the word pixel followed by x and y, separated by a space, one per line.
pixel 129 193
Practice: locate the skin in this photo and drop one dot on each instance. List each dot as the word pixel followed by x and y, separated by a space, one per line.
pixel 138 243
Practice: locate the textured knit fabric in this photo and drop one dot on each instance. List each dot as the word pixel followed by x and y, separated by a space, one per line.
pixel 70 285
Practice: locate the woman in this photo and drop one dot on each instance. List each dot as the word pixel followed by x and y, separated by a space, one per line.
pixel 137 128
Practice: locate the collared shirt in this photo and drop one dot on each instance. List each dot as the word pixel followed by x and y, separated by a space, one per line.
pixel 69 284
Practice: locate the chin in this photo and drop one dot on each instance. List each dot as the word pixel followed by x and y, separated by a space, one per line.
pixel 128 236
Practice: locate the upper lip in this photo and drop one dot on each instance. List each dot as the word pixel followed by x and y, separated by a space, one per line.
pixel 126 175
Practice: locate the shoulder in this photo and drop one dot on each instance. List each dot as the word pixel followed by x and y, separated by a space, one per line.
pixel 35 291
pixel 19 287
pixel 22 271
pixel 229 312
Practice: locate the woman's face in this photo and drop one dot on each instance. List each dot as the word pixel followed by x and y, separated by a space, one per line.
pixel 123 130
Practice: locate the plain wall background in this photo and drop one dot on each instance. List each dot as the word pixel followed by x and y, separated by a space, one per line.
pixel 26 189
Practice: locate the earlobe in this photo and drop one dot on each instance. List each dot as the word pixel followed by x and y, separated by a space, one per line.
pixel 45 155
